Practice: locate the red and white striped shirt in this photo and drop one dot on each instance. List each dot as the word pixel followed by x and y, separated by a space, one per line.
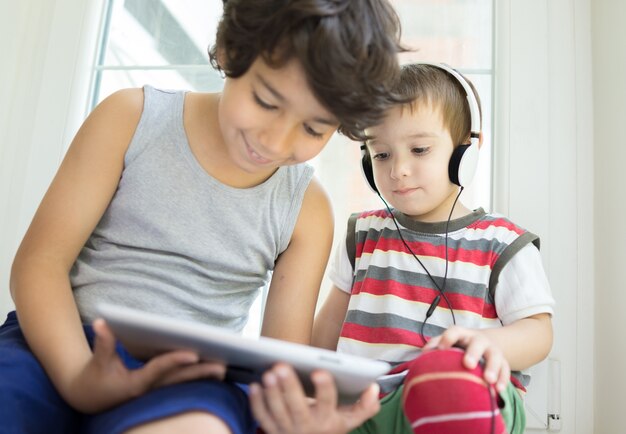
pixel 391 292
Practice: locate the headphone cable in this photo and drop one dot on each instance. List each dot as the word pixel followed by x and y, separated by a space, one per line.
pixel 442 288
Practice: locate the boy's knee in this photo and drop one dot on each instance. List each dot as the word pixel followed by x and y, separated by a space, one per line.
pixel 440 390
pixel 441 373
pixel 190 422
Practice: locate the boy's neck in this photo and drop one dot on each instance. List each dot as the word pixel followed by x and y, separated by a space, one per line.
pixel 460 211
pixel 457 222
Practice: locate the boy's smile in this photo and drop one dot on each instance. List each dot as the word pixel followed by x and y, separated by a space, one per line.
pixel 404 191
pixel 410 152
pixel 255 156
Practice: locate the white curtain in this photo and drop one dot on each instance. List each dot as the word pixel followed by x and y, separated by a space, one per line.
pixel 47 49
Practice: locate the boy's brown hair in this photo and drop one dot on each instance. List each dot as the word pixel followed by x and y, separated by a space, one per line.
pixel 348 49
pixel 427 84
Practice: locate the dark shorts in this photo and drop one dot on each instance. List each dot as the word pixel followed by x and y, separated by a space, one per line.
pixel 29 403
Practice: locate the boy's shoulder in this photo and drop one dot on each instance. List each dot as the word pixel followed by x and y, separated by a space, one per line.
pixel 124 100
pixel 498 220
pixel 376 215
pixel 365 220
pixel 499 226
pixel 369 219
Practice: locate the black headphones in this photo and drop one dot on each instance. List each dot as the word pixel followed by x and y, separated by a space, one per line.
pixel 464 159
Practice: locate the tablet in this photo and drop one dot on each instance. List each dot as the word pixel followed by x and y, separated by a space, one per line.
pixel 146 334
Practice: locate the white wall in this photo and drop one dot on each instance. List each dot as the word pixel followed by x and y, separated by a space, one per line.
pixel 543 177
pixel 609 75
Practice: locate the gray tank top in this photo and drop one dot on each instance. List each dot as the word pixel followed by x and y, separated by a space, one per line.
pixel 176 241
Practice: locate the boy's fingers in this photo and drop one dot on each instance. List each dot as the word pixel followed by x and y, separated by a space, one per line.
pixel 497 369
pixel 474 352
pixel 325 392
pixel 275 402
pixel 432 343
pixel 505 377
pixel 260 410
pixel 193 372
pixel 104 345
pixel 365 408
pixel 451 337
pixel 294 396
pixel 155 370
pixel 493 364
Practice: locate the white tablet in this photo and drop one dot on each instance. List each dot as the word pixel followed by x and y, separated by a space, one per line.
pixel 146 334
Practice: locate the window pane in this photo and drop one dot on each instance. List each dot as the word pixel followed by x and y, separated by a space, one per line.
pixel 161 32
pixel 457 32
pixel 199 79
pixel 162 43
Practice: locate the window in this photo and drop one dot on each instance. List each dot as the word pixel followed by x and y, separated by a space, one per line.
pixel 167 48
pixel 165 43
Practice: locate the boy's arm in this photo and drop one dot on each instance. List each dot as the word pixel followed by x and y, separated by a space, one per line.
pixel 524 304
pixel 329 320
pixel 299 270
pixel 516 346
pixel 40 286
pixel 72 206
pixel 280 405
pixel 524 343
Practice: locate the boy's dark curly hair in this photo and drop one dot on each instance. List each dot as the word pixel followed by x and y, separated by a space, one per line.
pixel 348 49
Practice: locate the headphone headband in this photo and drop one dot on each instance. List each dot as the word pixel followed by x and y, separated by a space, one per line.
pixel 472 101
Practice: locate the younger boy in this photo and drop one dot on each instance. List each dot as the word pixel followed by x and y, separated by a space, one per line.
pixel 429 273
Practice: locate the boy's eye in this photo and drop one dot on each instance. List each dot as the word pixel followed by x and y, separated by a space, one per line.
pixel 262 103
pixel 419 150
pixel 380 156
pixel 311 132
pixel 267 106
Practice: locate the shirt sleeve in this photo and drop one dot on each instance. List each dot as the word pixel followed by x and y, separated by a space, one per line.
pixel 340 272
pixel 523 289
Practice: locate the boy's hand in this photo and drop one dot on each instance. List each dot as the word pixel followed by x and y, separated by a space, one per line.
pixel 477 346
pixel 281 407
pixel 105 381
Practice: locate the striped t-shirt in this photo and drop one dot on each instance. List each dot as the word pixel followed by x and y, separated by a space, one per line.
pixel 391 292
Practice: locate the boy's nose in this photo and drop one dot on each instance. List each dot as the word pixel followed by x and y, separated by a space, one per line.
pixel 400 168
pixel 277 139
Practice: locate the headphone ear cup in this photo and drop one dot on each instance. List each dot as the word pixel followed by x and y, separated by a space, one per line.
pixel 463 164
pixel 366 169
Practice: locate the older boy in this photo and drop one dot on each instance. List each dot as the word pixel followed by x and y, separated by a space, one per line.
pixel 189 203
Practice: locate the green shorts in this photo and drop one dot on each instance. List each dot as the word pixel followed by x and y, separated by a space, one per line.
pixel 391 419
